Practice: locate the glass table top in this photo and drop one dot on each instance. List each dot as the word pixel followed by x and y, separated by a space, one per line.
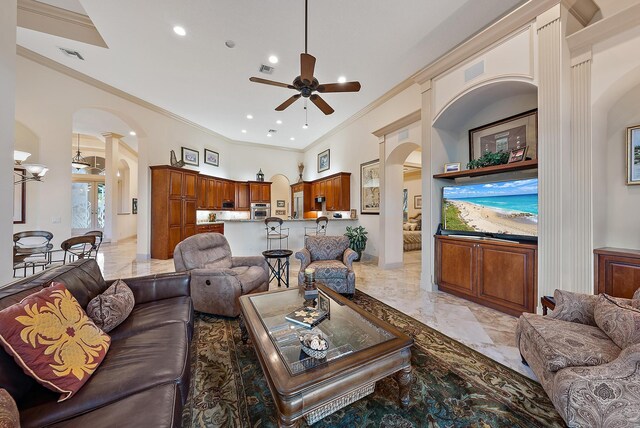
pixel 345 329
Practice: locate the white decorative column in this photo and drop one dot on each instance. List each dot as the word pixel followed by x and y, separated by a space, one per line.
pixel 553 216
pixel 7 132
pixel 112 157
pixel 382 250
pixel 143 250
pixel 429 223
pixel 581 174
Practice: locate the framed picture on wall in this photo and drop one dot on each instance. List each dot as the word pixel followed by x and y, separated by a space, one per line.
pixel 452 167
pixel 633 155
pixel 505 135
pixel 211 157
pixel 19 196
pixel 280 203
pixel 517 155
pixel 370 187
pixel 134 206
pixel 190 156
pixel 417 202
pixel 324 160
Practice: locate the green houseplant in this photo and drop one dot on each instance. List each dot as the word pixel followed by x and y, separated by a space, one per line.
pixel 357 239
pixel 489 159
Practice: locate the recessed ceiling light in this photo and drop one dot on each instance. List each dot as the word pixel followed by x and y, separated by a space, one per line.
pixel 230 44
pixel 305 126
pixel 249 116
pixel 244 131
pixel 292 139
pixel 273 59
pixel 279 122
pixel 268 135
pixel 342 79
pixel 132 133
pixel 180 31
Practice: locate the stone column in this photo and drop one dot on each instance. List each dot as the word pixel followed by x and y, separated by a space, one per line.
pixel 581 183
pixel 7 132
pixel 552 151
pixel 112 157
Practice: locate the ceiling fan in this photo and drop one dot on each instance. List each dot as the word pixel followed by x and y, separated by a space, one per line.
pixel 306 84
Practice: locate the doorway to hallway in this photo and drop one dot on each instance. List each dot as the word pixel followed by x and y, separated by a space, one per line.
pixel 87 206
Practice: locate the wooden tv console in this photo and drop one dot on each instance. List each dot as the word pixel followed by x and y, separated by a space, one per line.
pixel 498 274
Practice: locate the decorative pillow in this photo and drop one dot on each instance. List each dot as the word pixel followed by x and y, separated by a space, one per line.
pixel 9 416
pixel 406 226
pixel 620 321
pixel 574 307
pixel 636 295
pixel 112 307
pixel 53 339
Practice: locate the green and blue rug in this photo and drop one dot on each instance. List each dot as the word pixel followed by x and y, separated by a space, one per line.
pixel 454 385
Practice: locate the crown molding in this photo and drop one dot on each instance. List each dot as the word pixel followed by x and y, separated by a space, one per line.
pixel 406 83
pixel 56 66
pixel 605 28
pixel 398 124
pixel 45 18
pixel 497 31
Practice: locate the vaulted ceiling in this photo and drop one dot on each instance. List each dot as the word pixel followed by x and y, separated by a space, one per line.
pixel 378 42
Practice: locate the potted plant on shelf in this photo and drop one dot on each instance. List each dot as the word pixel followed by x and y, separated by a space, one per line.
pixel 357 239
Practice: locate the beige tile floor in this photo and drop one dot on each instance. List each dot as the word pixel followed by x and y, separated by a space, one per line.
pixel 483 329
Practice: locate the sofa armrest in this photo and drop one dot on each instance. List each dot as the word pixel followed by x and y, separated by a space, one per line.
pixel 349 257
pixel 249 261
pixel 604 395
pixel 305 258
pixel 157 287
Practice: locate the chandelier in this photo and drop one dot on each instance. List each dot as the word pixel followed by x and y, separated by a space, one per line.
pixel 78 162
pixel 29 172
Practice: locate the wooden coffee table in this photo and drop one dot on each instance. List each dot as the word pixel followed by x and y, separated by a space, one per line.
pixel 363 349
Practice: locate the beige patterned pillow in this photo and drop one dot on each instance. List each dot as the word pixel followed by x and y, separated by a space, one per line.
pixel 112 307
pixel 574 307
pixel 636 295
pixel 9 416
pixel 620 321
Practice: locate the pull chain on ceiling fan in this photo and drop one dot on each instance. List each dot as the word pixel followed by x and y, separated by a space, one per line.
pixel 306 83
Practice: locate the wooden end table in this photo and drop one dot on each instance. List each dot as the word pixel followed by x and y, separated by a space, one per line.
pixel 363 349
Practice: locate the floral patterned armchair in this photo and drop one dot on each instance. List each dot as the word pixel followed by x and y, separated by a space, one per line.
pixel 332 260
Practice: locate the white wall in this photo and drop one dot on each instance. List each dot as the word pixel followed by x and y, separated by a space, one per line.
pixel 45 103
pixel 354 145
pixel 280 190
pixel 7 89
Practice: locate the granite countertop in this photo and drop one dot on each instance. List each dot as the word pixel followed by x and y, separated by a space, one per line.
pixel 245 220
pixel 204 223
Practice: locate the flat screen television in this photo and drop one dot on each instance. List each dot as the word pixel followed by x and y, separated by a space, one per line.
pixel 501 209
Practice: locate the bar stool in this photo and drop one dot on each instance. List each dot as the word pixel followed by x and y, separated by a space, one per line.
pixel 280 268
pixel 320 228
pixel 275 232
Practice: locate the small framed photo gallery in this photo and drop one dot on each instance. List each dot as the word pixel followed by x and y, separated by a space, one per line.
pixel 211 157
pixel 190 156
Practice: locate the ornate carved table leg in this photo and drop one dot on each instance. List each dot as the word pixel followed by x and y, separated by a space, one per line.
pixel 405 380
pixel 244 334
pixel 286 422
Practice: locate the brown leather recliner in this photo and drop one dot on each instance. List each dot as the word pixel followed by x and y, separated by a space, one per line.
pixel 148 362
pixel 217 278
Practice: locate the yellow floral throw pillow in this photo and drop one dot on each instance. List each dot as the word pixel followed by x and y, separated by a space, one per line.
pixel 52 339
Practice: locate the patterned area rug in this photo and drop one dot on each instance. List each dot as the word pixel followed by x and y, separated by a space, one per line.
pixel 454 385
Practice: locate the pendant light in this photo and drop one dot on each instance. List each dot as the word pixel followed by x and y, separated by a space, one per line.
pixel 78 162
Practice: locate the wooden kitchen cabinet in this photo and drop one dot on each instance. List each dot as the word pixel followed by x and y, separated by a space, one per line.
pixel 500 275
pixel 336 189
pixel 260 192
pixel 242 196
pixel 208 228
pixel 173 208
pixel 203 202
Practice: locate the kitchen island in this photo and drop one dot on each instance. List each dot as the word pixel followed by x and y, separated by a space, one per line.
pixel 249 237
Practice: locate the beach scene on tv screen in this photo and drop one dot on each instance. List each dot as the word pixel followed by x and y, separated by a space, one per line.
pixel 507 207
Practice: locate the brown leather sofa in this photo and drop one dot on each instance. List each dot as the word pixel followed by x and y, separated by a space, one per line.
pixel 144 379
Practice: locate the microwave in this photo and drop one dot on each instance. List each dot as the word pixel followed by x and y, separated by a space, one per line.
pixel 260 211
pixel 227 205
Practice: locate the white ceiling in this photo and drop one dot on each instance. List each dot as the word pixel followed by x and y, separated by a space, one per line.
pixel 378 42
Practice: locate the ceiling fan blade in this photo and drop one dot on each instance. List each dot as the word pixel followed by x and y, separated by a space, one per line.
pixel 339 87
pixel 271 82
pixel 287 103
pixel 307 66
pixel 321 104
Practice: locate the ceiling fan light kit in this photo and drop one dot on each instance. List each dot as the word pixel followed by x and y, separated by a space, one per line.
pixel 306 84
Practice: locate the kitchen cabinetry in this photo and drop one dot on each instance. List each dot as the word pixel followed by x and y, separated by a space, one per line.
pixel 173 208
pixel 500 275
pixel 336 189
pixel 308 204
pixel 208 228
pixel 242 196
pixel 617 271
pixel 260 192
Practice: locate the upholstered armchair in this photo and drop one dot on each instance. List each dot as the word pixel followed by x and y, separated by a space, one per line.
pixel 332 260
pixel 217 278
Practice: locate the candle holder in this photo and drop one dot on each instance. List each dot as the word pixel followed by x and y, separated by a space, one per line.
pixel 310 290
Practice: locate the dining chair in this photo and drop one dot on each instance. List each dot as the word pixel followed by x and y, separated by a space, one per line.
pixel 320 228
pixel 74 248
pixel 275 232
pixel 96 247
pixel 31 249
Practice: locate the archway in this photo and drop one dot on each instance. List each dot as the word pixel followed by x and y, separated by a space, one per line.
pixel 280 196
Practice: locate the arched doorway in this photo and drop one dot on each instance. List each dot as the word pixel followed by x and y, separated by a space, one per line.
pixel 280 196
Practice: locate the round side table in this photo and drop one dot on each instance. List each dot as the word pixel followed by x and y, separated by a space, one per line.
pixel 279 269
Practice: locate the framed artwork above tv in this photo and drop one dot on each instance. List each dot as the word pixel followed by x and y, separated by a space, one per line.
pixel 511 133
